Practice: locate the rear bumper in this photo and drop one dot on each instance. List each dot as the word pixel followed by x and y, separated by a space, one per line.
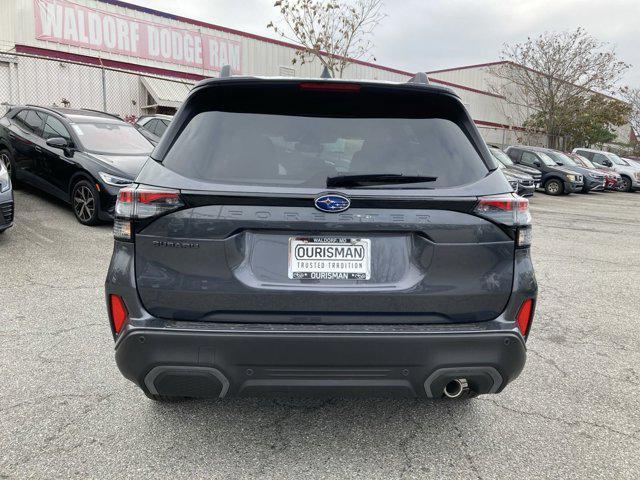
pixel 210 359
pixel 218 361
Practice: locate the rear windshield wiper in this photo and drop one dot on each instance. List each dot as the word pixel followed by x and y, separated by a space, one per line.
pixel 376 179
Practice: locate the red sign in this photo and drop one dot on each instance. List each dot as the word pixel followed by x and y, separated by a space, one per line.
pixel 67 23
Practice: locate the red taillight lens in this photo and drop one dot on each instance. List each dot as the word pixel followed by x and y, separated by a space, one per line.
pixel 118 312
pixel 510 210
pixel 523 318
pixel 330 87
pixel 142 202
pixel 152 201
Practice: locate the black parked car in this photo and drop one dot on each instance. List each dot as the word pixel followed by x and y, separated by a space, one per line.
pixel 153 126
pixel 594 181
pixel 83 157
pixel 320 235
pixel 504 159
pixel 556 180
pixel 522 183
pixel 6 196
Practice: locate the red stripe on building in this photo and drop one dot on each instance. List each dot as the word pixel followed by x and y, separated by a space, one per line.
pixel 463 87
pixel 134 67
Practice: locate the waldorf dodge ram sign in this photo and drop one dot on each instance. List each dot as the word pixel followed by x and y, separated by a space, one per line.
pixel 66 23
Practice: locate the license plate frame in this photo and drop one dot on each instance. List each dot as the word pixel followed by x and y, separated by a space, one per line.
pixel 329 258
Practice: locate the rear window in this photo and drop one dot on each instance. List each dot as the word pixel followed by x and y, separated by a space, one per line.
pixel 302 151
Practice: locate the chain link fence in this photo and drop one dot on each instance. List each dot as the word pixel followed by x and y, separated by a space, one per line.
pixel 28 79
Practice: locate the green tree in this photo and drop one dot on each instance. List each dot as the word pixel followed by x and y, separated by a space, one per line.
pixel 586 120
pixel 556 73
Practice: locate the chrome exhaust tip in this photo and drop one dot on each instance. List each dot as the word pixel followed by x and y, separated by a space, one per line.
pixel 456 388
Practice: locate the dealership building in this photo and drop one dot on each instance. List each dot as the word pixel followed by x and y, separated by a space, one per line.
pixel 114 56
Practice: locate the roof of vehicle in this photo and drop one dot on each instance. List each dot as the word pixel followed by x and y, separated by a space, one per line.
pixel 591 150
pixel 78 115
pixel 157 115
pixel 411 84
pixel 535 149
pixel 147 118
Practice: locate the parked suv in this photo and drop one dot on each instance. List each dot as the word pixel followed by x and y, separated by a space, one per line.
pixel 320 235
pixel 556 180
pixel 630 174
pixel 83 157
pixel 504 159
pixel 153 126
pixel 6 197
pixel 613 180
pixel 593 179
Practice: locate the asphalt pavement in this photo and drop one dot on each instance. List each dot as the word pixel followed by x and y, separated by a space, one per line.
pixel 66 412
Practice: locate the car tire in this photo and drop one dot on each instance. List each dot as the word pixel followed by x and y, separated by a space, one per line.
pixel 85 202
pixel 7 158
pixel 553 187
pixel 625 186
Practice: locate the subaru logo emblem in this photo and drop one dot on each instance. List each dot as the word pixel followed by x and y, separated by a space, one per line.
pixel 332 203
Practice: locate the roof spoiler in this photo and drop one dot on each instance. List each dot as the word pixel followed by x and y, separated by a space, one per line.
pixel 420 78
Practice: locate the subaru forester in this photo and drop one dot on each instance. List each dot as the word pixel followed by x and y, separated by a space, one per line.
pixel 324 236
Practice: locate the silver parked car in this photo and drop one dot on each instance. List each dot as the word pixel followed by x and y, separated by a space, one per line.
pixel 6 197
pixel 630 173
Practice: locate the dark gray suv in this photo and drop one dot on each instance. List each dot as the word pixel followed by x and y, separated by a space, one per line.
pixel 320 236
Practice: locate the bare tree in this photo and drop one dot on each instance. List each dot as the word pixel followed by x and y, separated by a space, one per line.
pixel 335 32
pixel 557 70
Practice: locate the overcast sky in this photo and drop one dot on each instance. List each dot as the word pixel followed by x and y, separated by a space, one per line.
pixel 431 34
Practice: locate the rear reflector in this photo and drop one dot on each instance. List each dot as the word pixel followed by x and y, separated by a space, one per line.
pixel 118 312
pixel 524 316
pixel 330 87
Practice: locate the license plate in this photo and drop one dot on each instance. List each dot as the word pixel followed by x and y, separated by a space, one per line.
pixel 537 184
pixel 327 258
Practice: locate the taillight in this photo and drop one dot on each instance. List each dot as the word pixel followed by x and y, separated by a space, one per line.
pixel 139 202
pixel 510 210
pixel 523 318
pixel 117 312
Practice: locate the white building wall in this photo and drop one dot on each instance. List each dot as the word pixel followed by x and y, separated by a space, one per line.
pixel 258 57
pixel 501 111
pixel 25 79
pixel 476 77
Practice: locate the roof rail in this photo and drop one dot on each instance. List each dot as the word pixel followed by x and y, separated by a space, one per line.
pixel 420 78
pixel 48 109
pixel 114 115
pixel 325 73
pixel 225 72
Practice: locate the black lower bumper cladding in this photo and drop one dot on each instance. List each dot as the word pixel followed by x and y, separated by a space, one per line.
pixel 215 363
